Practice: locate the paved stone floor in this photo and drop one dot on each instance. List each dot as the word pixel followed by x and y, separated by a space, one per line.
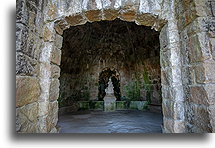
pixel 110 122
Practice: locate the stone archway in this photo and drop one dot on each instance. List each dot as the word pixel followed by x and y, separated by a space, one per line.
pixel 186 51
pixel 104 76
pixel 139 12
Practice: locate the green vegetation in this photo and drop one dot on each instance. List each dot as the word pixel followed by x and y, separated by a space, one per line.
pixel 139 105
pixel 147 86
pixel 122 105
pixel 134 87
pixel 133 90
pixel 84 105
pixel 96 105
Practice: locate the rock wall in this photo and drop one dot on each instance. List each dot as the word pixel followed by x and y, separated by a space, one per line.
pixel 36 63
pixel 188 105
pixel 29 24
pixel 196 23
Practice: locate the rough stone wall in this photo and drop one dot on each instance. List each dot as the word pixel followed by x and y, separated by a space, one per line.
pixel 196 23
pixel 75 12
pixel 36 63
pixel 29 24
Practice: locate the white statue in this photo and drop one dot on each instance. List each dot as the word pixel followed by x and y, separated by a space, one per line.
pixel 109 89
pixel 109 99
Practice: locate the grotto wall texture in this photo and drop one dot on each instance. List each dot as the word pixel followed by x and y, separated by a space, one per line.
pixel 187 57
pixel 132 50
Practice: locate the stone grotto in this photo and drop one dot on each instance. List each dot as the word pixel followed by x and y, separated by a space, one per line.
pixel 115 66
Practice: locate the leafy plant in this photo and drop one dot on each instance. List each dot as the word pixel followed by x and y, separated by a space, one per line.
pixel 133 90
pixel 147 86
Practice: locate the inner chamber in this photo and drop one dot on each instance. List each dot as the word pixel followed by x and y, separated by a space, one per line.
pixel 124 51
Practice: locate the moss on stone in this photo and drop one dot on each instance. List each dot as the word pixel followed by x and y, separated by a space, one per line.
pixel 138 105
pixel 96 105
pixel 110 106
pixel 84 105
pixel 147 85
pixel 121 105
pixel 132 90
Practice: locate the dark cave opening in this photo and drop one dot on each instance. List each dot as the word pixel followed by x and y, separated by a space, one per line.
pixel 124 51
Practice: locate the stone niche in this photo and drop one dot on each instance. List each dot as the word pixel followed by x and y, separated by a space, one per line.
pixel 90 49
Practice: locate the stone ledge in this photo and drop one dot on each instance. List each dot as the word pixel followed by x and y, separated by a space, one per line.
pixel 99 105
pixel 120 105
pixel 91 105
pixel 138 105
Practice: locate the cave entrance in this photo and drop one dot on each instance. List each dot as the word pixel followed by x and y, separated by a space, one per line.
pixel 104 77
pixel 126 53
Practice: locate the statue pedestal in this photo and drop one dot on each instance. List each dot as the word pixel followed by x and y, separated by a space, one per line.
pixel 109 104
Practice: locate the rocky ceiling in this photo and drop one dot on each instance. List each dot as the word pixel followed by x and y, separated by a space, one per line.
pixel 120 40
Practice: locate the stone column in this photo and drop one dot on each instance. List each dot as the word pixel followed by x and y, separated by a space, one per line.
pixel 171 72
pixel 50 57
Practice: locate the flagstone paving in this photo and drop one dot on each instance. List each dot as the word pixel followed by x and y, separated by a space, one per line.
pixel 110 122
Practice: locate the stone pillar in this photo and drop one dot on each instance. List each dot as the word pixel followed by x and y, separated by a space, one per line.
pixel 172 87
pixel 50 57
pixel 49 73
pixel 45 73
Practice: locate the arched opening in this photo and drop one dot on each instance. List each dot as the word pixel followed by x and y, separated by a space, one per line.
pixel 124 52
pixel 104 77
pixel 142 13
pixel 186 60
